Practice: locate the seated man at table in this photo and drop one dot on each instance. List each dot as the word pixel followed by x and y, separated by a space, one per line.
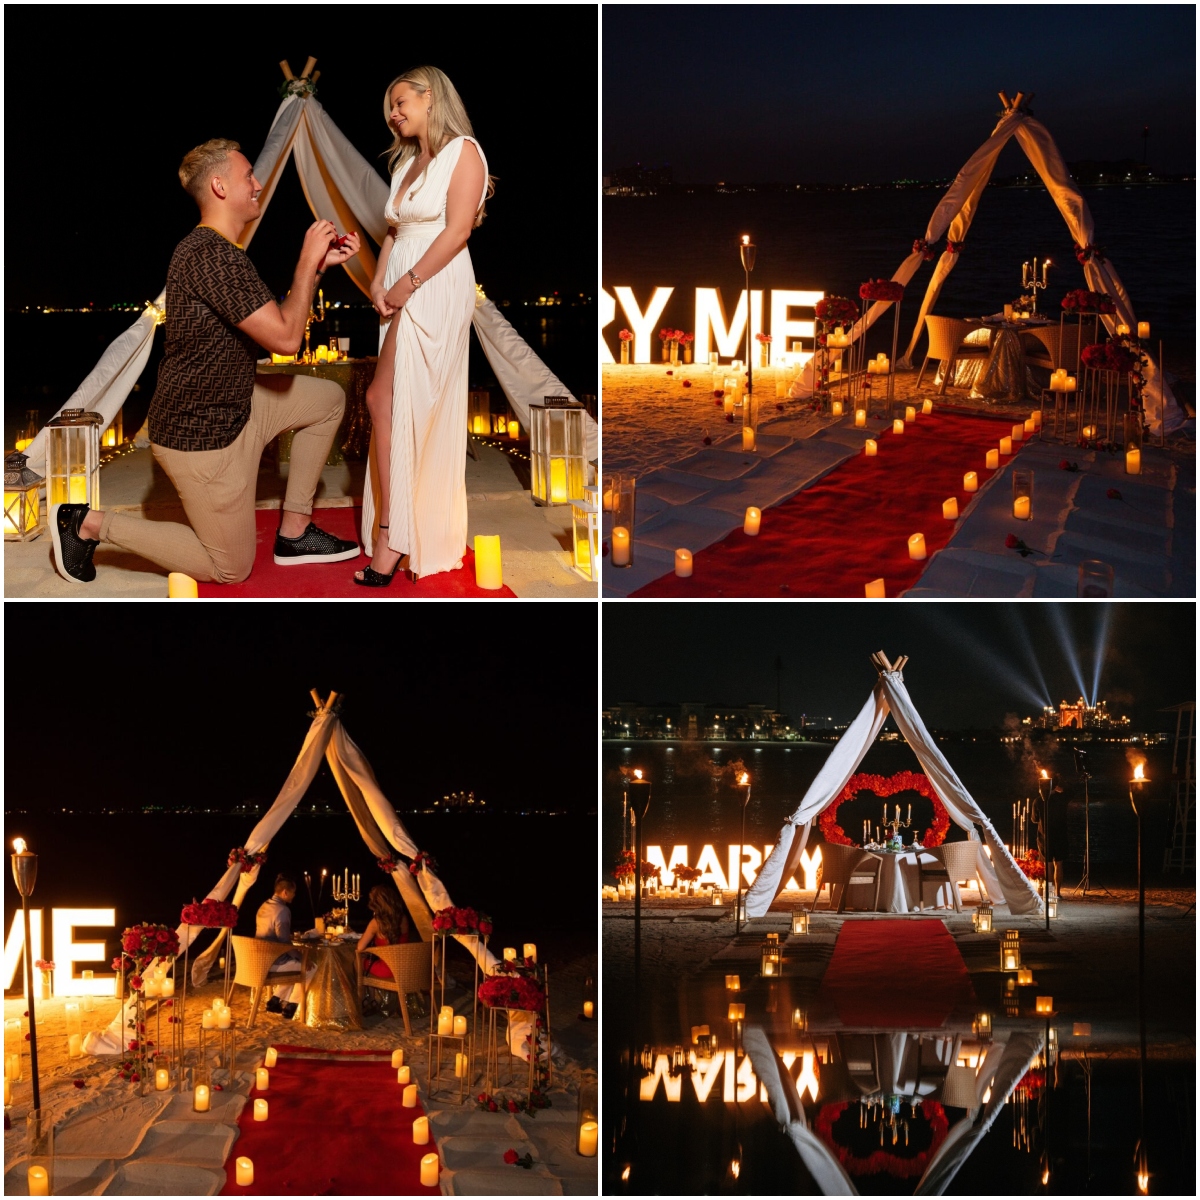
pixel 274 924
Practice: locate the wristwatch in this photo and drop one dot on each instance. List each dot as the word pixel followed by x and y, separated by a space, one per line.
pixel 416 279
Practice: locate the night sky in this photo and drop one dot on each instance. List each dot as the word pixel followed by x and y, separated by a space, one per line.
pixel 971 664
pixel 100 118
pixel 141 704
pixel 869 93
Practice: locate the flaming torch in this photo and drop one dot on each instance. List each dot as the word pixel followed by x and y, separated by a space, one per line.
pixel 1045 785
pixel 743 781
pixel 24 869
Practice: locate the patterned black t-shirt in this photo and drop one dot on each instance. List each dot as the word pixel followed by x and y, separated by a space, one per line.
pixel 206 377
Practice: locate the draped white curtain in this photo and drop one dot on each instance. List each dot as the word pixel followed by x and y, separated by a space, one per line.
pixel 1002 877
pixel 340 186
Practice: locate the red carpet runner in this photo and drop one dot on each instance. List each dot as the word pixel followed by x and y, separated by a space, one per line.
pixel 895 975
pixel 853 526
pixel 335 1127
pixel 336 579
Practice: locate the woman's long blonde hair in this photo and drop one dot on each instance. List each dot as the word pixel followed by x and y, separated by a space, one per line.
pixel 447 120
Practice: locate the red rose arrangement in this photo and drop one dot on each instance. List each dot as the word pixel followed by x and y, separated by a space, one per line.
pixel 626 865
pixel 882 289
pixel 650 871
pixel 422 860
pixel 896 1165
pixel 685 339
pixel 765 338
pixel 665 335
pixel 925 249
pixel 248 861
pixel 388 865
pixel 1032 865
pixel 211 914
pixel 1110 356
pixel 462 920
pixel 953 247
pixel 1083 300
pixel 142 943
pixel 1087 253
pixel 837 310
pixel 686 873
pixel 884 786
pixel 625 335
pixel 44 964
pixel 508 989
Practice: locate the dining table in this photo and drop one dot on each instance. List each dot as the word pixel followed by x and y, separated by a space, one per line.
pixel 331 996
pixel 1005 376
pixel 900 889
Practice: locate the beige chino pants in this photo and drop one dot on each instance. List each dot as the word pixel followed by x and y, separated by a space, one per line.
pixel 217 487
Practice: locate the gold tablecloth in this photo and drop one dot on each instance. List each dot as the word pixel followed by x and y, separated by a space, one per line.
pixel 331 1001
pixel 353 376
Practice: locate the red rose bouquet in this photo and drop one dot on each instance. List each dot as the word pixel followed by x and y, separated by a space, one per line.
pixel 248 861
pixel 764 338
pixel 837 310
pixel 1083 300
pixel 685 339
pixel 687 874
pixel 882 289
pixel 140 944
pixel 462 921
pixel 625 335
pixel 512 991
pixel 625 867
pixel 389 864
pixel 211 914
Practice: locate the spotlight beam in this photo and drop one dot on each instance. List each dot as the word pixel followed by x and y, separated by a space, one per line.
pixel 996 663
pixel 1101 649
pixel 1066 641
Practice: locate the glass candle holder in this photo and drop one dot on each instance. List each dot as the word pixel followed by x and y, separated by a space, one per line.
pixel 1095 579
pixel 587 1119
pixel 39 1146
pixel 1022 485
pixel 624 502
pixel 750 422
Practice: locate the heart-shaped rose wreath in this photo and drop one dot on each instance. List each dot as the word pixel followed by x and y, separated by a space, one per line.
pixel 884 786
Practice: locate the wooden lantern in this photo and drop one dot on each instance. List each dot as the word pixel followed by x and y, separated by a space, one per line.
pixel 1010 951
pixel 800 921
pixel 772 956
pixel 982 1026
pixel 585 537
pixel 479 411
pixel 22 510
pixel 982 918
pixel 558 468
pixel 73 458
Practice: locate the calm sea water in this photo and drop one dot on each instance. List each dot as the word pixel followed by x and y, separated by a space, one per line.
pixel 832 241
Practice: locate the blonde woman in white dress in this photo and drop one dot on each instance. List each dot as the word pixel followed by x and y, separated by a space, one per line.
pixel 415 499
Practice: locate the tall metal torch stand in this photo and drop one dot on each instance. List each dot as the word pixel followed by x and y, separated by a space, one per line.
pixel 24 869
pixel 639 789
pixel 1082 771
pixel 1137 801
pixel 748 250
pixel 743 781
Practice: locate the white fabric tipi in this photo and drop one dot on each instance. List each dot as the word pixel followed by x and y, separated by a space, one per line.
pixel 1005 881
pixel 341 186
pixel 952 219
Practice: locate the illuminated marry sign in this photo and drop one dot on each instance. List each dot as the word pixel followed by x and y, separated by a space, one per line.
pixel 709 864
pixel 67 951
pixel 711 323
pixel 738 1081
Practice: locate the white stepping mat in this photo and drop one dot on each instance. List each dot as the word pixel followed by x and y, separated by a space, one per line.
pixel 165 1179
pixel 72 1176
pixel 114 1132
pixel 516 1182
pixel 196 1143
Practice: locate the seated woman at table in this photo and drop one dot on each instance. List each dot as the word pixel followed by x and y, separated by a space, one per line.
pixel 388 927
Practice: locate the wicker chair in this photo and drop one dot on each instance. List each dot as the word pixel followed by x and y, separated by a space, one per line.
pixel 411 965
pixel 956 861
pixel 845 867
pixel 253 958
pixel 1043 348
pixel 946 336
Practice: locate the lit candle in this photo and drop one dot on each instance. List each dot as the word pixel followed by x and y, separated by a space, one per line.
pixel 208 1019
pixel 897 426
pixel 875 590
pixel 836 408
pixel 510 954
pixel 970 482
pixel 530 951
pixel 1018 432
pixel 950 509
pixel 224 1018
pixel 410 1096
pixel 245 1172
pixel 397 1058
pixel 488 571
pixel 262 1079
pixel 1036 417
pixel 916 550
pixel 1143 329
pixel 181 586
pixel 460 1066
pixel 168 987
pixel 1133 461
pixel 200 1098
pixel 39 1181
pixel 150 986
pixel 1024 977
pixel 445 1025
pixel 870 447
pixel 1006 446
pixel 728 402
pixel 260 1110
pixel 403 1074
pixel 77 488
pixel 272 1057
pixel 683 563
pixel 558 479
pixel 162 1079
pixel 753 521
pixel 926 407
pixel 460 1026
pixel 1070 383
pixel 910 413
pixel 620 548
pixel 218 1004
pixel 733 983
pixel 12 1067
pixel 1021 508
pixel 860 417
pixel 1122 330
pixel 429 1170
pixel 992 462
pixel 589 1134
pixel 75 1046
pixel 421 1131
pixel 589 1009
pixel 1030 427
pixel 1045 1004
pixel 747 438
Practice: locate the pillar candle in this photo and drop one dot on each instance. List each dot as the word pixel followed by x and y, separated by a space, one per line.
pixel 1036 417
pixel 875 590
pixel 897 426
pixel 224 1019
pixel 245 1172
pixel 683 563
pixel 1070 383
pixel 445 1025
pixel 397 1058
pixel 589 1009
pixel 421 1131
pixel 75 1046
pixel 262 1079
pixel 39 1181
pixel 728 402
pixel 488 570
pixel 1122 330
pixel 150 987
pixel 1143 329
pixel 530 951
pixel 589 1133
pixel 620 548
pixel 871 447
pixel 1030 427
pixel 168 987
pixel 752 522
pixel 1133 461
pixel 836 408
pixel 7 1092
pixel 12 1067
pixel 926 407
pixel 460 1026
pixel 181 586
pixel 910 413
pixel 429 1170
pixel 200 1098
pixel 1006 446
pixel 950 509
pixel 162 1079
pixel 410 1096
pixel 747 438
pixel 1021 508
pixel 260 1110
pixel 460 1066
pixel 860 417
pixel 970 482
pixel 272 1057
pixel 1018 432
pixel 218 1004
pixel 992 461
pixel 916 550
pixel 403 1073
pixel 510 954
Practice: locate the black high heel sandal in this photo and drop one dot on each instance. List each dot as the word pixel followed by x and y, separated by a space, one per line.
pixel 374 578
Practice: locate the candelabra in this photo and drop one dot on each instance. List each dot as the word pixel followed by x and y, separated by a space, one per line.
pixel 1030 281
pixel 345 890
pixel 317 313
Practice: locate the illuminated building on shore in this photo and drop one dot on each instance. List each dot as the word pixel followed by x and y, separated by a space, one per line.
pixel 1079 715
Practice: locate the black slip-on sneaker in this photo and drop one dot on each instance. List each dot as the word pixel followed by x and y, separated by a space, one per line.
pixel 312 546
pixel 72 553
pixel 289 1011
pixel 274 1005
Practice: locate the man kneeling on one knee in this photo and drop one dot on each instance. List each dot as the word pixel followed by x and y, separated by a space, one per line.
pixel 210 418
pixel 274 924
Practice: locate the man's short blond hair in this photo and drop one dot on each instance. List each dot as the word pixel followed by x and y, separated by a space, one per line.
pixel 201 164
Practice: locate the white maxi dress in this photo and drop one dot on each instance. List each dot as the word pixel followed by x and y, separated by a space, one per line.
pixel 427 519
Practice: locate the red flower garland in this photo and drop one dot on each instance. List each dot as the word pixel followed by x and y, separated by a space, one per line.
pixel 884 786
pixel 924 249
pixel 211 914
pixel 886 290
pixel 882 1160
pixel 248 861
pixel 422 860
pixel 388 865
